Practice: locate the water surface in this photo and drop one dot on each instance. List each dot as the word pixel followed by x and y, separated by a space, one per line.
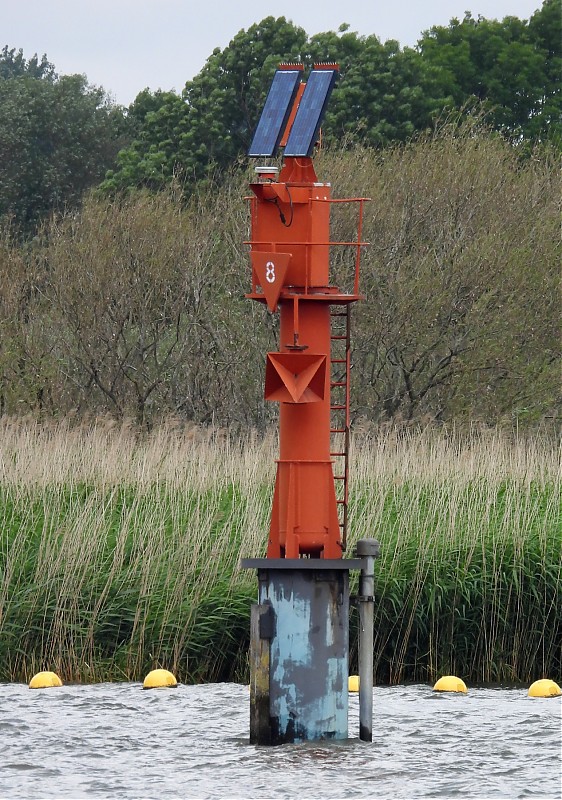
pixel 118 741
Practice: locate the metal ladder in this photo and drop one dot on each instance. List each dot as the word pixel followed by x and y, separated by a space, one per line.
pixel 340 335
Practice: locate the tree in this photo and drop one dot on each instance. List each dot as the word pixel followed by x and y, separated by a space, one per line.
pixel 154 156
pixel 58 136
pixel 225 99
pixel 512 66
pixel 28 340
pixel 134 306
pixel 545 32
pixel 385 95
pixel 14 65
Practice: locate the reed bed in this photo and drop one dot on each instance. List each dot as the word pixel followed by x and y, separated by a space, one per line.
pixel 120 550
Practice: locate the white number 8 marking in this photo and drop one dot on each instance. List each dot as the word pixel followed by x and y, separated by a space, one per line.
pixel 270 272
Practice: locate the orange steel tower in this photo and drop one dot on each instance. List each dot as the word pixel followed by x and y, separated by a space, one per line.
pixel 290 253
pixel 299 638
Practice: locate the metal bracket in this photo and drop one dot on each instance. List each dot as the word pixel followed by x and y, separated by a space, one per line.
pixel 267 623
pixel 362 598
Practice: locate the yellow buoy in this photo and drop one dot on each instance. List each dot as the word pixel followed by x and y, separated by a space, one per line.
pixel 353 683
pixel 159 679
pixel 450 683
pixel 44 680
pixel 544 688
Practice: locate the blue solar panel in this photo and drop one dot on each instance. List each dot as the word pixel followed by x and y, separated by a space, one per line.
pixel 306 126
pixel 275 113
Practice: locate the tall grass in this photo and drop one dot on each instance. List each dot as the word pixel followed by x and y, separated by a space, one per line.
pixel 120 550
pixel 470 575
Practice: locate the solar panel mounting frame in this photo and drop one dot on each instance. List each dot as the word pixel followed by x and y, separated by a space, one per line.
pixel 306 125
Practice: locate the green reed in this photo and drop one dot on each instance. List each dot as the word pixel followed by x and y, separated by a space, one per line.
pixel 120 551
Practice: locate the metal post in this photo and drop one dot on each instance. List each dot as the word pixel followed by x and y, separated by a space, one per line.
pixel 367 550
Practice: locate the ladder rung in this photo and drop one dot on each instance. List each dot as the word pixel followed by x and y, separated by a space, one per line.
pixel 338 337
pixel 338 454
pixel 338 383
pixel 337 408
pixel 341 502
pixel 339 477
pixel 338 360
pixel 337 430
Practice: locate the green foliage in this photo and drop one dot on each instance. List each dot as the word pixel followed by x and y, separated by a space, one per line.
pixel 513 66
pixel 14 65
pixel 385 95
pixel 58 136
pixel 545 30
pixel 468 591
pixel 154 158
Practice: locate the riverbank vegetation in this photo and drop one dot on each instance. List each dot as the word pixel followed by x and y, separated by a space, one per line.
pixel 120 550
pixel 123 299
pixel 135 306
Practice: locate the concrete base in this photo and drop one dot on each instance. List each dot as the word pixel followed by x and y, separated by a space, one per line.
pixel 299 650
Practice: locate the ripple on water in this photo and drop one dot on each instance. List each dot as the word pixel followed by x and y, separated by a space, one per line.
pixel 118 741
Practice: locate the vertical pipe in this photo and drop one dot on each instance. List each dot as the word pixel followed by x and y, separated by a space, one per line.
pixel 367 550
pixel 358 251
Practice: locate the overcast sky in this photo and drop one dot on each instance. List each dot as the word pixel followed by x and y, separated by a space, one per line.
pixel 127 45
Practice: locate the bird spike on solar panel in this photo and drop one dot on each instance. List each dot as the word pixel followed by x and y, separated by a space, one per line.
pixel 306 126
pixel 275 112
